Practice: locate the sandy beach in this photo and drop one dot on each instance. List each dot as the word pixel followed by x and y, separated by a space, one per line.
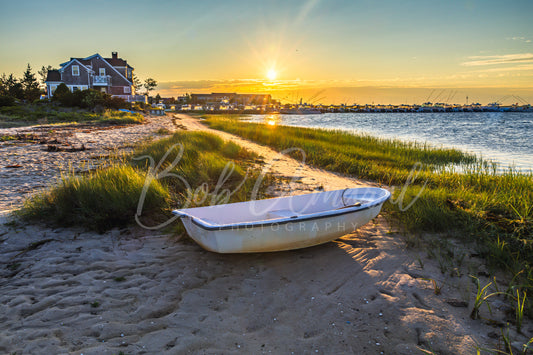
pixel 69 291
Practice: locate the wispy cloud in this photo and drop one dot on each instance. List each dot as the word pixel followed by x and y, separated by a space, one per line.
pixel 498 59
pixel 507 69
pixel 521 39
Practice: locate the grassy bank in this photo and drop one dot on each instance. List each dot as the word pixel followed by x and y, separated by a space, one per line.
pixel 110 197
pixel 25 115
pixel 492 211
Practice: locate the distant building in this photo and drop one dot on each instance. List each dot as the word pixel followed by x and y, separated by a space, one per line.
pixel 113 76
pixel 231 98
pixel 183 99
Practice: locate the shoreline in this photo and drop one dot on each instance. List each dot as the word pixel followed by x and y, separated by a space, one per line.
pixel 437 137
pixel 406 108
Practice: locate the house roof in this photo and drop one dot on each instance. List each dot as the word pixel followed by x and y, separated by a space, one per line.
pixel 118 62
pixel 115 62
pixel 53 75
pixel 73 60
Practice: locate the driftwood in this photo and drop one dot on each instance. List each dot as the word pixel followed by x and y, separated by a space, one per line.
pixel 58 148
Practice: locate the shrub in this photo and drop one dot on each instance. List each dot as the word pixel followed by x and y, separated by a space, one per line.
pixel 91 99
pixel 115 102
pixel 63 95
pixel 7 101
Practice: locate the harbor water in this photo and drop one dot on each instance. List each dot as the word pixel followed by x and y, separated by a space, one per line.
pixel 502 137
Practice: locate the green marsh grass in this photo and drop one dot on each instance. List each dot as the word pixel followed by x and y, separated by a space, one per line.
pixel 481 297
pixel 118 117
pixel 210 172
pixel 519 310
pixel 101 200
pixel 453 192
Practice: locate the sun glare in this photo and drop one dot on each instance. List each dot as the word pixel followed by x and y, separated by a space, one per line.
pixel 271 74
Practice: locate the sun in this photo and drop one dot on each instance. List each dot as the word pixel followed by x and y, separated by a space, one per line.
pixel 271 74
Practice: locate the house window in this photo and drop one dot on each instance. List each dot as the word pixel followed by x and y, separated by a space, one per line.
pixel 75 88
pixel 75 70
pixel 127 89
pixel 102 71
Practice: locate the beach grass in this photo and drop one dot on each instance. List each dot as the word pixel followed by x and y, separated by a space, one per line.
pixel 101 200
pixel 25 115
pixel 187 169
pixel 435 189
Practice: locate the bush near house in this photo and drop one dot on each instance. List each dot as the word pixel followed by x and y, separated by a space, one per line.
pixel 89 99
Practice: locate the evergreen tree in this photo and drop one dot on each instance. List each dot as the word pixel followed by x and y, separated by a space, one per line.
pixel 4 89
pixel 43 73
pixel 30 85
pixel 13 87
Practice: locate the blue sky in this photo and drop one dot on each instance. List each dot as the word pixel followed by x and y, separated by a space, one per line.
pixel 313 43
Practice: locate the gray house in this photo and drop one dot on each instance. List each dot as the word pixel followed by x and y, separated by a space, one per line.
pixel 113 76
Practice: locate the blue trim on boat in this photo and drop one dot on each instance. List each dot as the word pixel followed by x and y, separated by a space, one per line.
pixel 294 219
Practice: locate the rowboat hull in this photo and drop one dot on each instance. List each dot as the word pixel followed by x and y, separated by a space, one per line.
pixel 283 223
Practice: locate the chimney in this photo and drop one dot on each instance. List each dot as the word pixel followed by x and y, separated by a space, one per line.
pixel 114 55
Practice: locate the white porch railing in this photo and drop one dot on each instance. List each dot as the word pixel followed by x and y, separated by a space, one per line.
pixel 104 80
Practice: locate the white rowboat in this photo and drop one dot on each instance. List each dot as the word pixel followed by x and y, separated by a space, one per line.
pixel 283 223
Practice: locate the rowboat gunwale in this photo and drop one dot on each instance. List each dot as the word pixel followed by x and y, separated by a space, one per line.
pixel 284 220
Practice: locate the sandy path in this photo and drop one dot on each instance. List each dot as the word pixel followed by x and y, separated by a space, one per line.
pixel 144 292
pixel 303 177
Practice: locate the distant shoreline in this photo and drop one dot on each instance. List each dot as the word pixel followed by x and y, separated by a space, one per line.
pixel 369 109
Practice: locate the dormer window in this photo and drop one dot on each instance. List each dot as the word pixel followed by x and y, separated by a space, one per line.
pixel 101 71
pixel 75 70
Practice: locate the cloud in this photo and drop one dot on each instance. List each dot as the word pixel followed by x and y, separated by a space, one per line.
pixel 498 59
pixel 521 39
pixel 505 69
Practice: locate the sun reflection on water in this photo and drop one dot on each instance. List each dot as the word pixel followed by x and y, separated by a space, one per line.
pixel 272 120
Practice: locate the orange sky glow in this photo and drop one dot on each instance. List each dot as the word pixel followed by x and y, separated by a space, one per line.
pixel 334 51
